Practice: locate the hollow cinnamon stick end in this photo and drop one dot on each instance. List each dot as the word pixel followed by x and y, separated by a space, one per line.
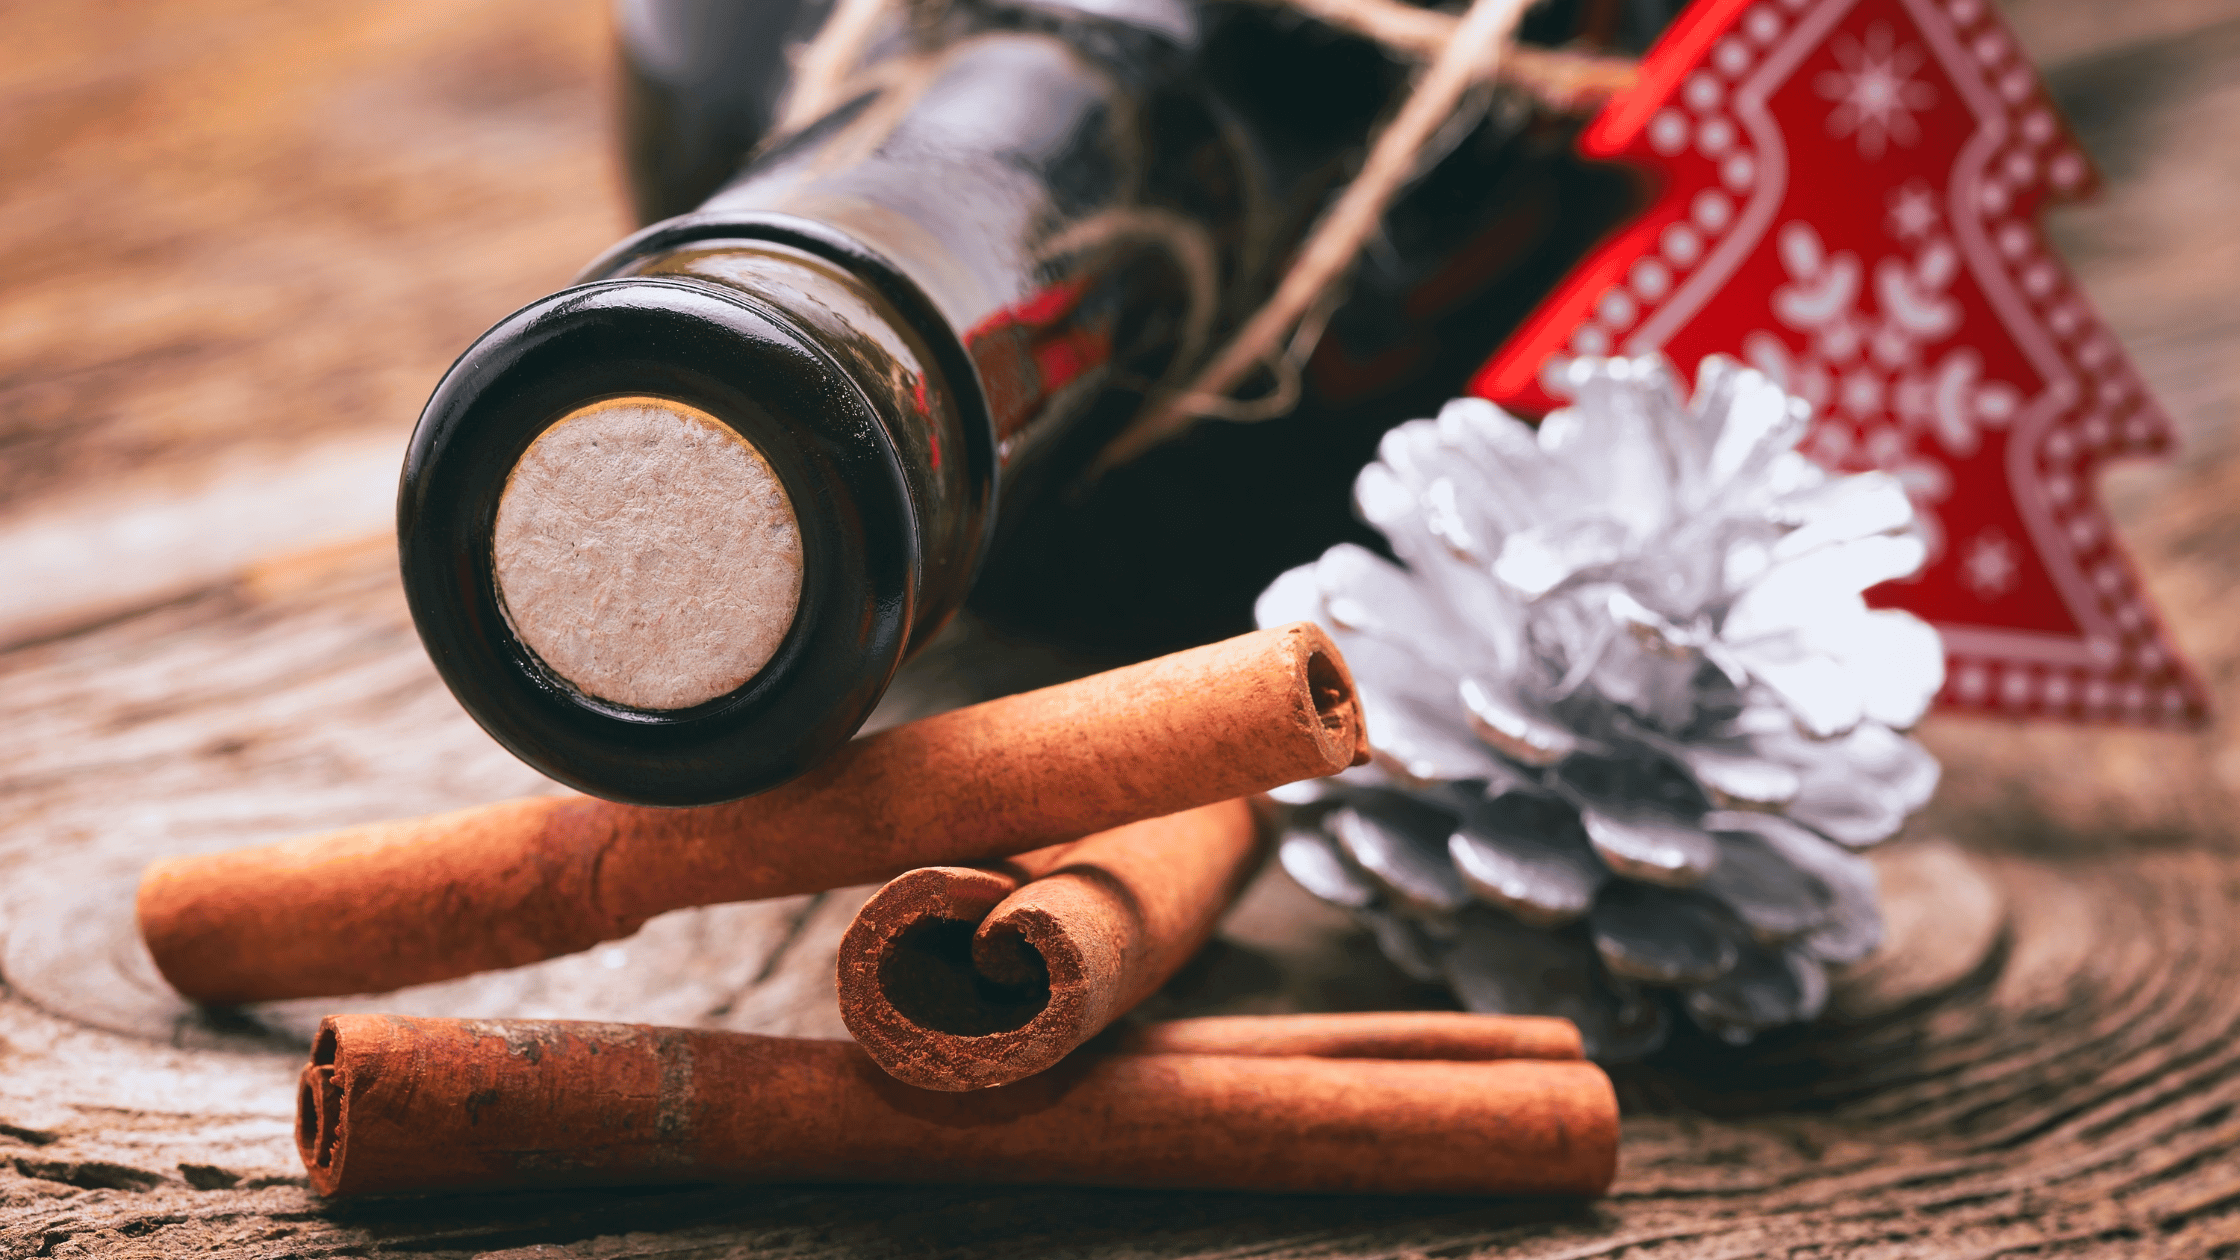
pixel 320 1104
pixel 913 998
pixel 1329 693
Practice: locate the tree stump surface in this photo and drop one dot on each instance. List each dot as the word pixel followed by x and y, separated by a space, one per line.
pixel 242 238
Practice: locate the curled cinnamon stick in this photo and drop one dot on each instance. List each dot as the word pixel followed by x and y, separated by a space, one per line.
pixel 390 1103
pixel 960 978
pixel 382 906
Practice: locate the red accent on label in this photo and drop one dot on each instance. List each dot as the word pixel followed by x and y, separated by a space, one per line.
pixel 924 410
pixel 1031 349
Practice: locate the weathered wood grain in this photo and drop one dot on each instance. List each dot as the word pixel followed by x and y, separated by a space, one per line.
pixel 237 230
pixel 243 238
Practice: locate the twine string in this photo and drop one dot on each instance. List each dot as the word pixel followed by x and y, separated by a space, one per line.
pixel 1472 51
pixel 1461 54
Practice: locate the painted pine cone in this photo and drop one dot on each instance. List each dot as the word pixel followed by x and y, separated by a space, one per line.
pixel 1631 716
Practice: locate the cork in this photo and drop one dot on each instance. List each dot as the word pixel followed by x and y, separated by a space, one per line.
pixel 378 907
pixel 647 554
pixel 956 978
pixel 390 1103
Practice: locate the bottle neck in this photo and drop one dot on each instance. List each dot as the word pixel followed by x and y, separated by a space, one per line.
pixel 878 348
pixel 1069 205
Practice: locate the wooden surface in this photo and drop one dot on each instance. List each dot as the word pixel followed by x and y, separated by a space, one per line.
pixel 238 243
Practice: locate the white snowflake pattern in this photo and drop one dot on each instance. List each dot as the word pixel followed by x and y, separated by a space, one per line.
pixel 1990 565
pixel 1913 211
pixel 1861 392
pixel 1875 92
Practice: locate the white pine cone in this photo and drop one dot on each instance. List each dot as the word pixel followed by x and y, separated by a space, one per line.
pixel 1630 713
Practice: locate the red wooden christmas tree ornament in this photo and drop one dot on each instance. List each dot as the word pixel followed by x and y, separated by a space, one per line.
pixel 1848 201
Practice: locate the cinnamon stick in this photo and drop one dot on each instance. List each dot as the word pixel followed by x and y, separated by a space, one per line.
pixel 959 978
pixel 1446 1035
pixel 390 1103
pixel 382 906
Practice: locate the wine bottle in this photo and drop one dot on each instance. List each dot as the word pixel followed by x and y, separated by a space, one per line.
pixel 668 532
pixel 1468 250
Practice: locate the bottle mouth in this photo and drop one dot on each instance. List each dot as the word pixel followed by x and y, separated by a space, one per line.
pixel 648 554
pixel 658 542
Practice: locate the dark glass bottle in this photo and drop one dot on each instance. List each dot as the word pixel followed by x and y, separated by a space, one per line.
pixel 1173 548
pixel 668 533
pixel 701 83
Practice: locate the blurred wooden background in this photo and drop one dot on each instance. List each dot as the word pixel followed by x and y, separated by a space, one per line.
pixel 240 240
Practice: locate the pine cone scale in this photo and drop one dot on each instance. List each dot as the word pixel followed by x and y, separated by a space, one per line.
pixel 1528 855
pixel 1774 899
pixel 1394 849
pixel 1649 848
pixel 1661 937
